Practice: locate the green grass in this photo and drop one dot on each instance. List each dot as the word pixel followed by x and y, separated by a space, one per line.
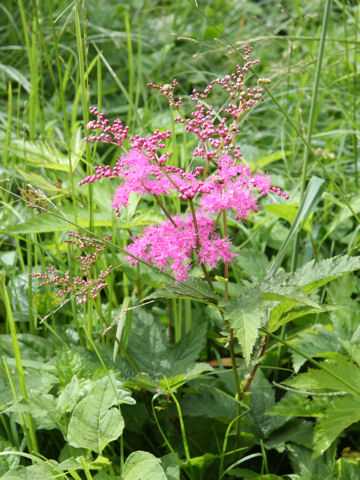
pixel 56 60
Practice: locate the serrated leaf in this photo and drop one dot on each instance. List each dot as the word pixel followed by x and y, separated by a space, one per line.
pixel 339 416
pixel 43 153
pixel 316 274
pixel 142 465
pixel 96 419
pixel 245 317
pixel 340 376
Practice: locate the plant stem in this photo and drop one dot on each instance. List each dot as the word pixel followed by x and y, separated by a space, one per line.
pixel 252 374
pixel 162 206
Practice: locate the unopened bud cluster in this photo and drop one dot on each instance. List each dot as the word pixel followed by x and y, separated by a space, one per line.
pixel 82 287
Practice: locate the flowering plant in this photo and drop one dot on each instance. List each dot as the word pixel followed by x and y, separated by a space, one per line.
pixel 220 184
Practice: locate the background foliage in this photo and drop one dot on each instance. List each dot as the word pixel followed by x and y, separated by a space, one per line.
pixel 78 404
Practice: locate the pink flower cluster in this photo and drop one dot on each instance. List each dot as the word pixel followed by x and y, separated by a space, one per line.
pixel 170 245
pixel 231 186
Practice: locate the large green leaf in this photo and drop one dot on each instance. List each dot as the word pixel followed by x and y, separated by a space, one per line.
pixel 143 465
pixel 337 417
pixel 96 419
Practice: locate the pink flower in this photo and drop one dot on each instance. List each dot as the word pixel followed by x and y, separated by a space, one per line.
pixel 170 246
pixel 234 187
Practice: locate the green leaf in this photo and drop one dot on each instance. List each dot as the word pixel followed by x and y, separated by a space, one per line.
pixel 73 361
pixel 294 405
pixel 262 397
pixel 253 263
pixel 33 472
pixel 295 431
pixel 194 288
pixel 340 375
pixel 311 198
pixel 337 417
pixel 32 347
pixel 7 462
pixel 71 394
pixel 347 469
pixel 267 159
pixel 149 348
pixel 78 463
pixel 95 420
pixel 245 316
pixel 315 343
pixel 185 353
pixel 39 181
pixel 288 213
pixel 309 468
pixel 171 467
pixel 43 153
pixel 43 410
pixel 316 274
pixel 48 222
pixel 143 465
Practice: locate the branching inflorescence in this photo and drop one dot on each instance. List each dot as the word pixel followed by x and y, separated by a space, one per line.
pixel 221 184
pixel 83 286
